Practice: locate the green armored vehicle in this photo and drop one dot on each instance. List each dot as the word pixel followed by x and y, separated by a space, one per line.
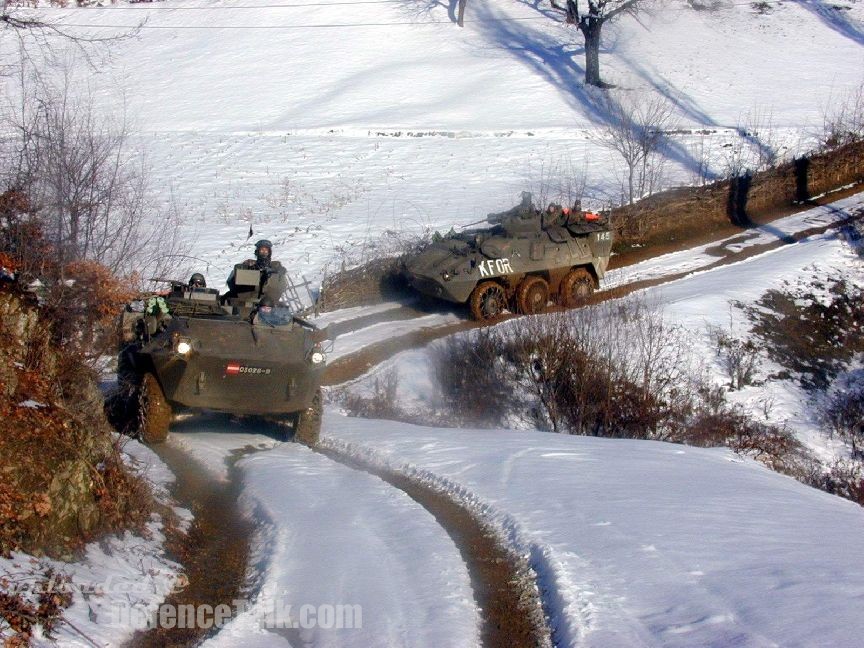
pixel 524 258
pixel 189 348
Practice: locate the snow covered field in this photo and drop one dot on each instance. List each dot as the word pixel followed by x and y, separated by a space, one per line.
pixel 324 124
pixel 641 543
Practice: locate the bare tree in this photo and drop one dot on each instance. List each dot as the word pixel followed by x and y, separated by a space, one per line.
pixel 15 17
pixel 558 179
pixel 636 129
pixel 460 19
pixel 36 33
pixel 84 182
pixel 843 119
pixel 590 23
pixel 589 20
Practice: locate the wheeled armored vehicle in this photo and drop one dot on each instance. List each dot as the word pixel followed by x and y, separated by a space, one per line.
pixel 190 349
pixel 521 260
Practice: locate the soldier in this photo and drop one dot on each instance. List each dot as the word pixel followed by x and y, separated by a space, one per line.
pixel 555 216
pixel 197 281
pixel 266 312
pixel 273 275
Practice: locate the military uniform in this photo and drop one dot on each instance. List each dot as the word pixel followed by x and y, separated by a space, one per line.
pixel 274 281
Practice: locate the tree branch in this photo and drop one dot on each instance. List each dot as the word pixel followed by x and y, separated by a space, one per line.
pixel 10 20
pixel 627 6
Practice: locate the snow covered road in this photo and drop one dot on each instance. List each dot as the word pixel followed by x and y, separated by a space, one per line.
pixel 646 543
pixel 780 230
pixel 331 535
pixel 632 543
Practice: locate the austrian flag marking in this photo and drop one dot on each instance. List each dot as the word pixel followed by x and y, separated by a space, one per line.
pixel 235 368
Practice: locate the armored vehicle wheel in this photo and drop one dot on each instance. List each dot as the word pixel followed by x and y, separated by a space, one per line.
pixel 487 301
pixel 532 295
pixel 307 424
pixel 154 411
pixel 576 286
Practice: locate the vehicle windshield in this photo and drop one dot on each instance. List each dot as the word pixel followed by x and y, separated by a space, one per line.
pixel 275 315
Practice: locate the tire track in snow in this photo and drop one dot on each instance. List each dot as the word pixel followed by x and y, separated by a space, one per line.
pixel 504 585
pixel 219 535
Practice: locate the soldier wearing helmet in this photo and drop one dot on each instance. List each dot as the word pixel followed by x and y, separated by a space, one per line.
pixel 267 312
pixel 263 253
pixel 273 281
pixel 197 281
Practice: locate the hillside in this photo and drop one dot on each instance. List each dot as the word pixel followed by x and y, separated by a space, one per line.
pixel 324 124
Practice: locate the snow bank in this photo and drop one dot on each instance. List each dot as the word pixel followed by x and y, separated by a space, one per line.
pixel 647 543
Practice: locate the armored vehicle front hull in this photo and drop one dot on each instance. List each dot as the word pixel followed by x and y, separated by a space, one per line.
pixel 185 349
pixel 232 366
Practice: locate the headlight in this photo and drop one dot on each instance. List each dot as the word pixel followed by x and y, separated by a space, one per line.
pixel 184 347
pixel 446 276
pixel 317 357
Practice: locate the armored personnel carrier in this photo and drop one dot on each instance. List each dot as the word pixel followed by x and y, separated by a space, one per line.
pixel 189 348
pixel 520 261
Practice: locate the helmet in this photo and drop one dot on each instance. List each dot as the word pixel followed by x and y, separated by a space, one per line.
pixel 263 252
pixel 265 302
pixel 197 281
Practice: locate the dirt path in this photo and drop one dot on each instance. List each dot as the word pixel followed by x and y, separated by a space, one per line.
pixel 215 555
pixel 215 552
pixel 409 310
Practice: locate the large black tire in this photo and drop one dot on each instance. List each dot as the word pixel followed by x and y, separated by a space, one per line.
pixel 575 288
pixel 154 413
pixel 307 425
pixel 532 295
pixel 487 301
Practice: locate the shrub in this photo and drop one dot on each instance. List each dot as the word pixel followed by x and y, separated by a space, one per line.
pixel 739 358
pixel 370 271
pixel 613 370
pixel 616 370
pixel 843 119
pixel 843 478
pixel 83 303
pixel 843 416
pixel 64 481
pixel 471 373
pixel 23 610
pixel 381 403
